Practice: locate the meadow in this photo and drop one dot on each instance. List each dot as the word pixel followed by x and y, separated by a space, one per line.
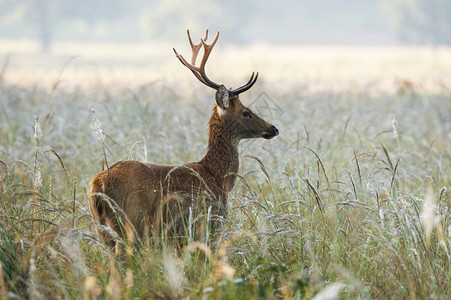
pixel 351 201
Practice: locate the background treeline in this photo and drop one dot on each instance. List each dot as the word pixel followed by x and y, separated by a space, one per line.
pixel 369 22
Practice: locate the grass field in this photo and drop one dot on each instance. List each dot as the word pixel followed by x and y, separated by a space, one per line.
pixel 351 201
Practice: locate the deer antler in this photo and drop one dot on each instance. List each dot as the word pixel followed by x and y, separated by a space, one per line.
pixel 247 86
pixel 199 71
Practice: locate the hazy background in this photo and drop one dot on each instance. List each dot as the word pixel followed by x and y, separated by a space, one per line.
pixel 352 198
pixel 130 42
pixel 356 22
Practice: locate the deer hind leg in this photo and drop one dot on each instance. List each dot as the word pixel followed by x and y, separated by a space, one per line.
pixel 103 211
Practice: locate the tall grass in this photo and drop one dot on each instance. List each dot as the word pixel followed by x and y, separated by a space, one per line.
pixel 351 200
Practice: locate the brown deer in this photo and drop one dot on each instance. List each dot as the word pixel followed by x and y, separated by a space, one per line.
pixel 151 199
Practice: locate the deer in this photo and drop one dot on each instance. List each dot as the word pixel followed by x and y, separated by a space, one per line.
pixel 151 200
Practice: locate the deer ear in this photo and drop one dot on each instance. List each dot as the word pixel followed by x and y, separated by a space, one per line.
pixel 222 97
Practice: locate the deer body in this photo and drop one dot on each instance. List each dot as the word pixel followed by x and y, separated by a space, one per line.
pixel 151 197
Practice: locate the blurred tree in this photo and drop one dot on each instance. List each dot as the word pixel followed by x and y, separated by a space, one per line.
pixel 420 21
pixel 166 19
pixel 281 21
pixel 45 15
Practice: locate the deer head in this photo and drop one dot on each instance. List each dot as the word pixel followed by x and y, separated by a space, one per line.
pixel 238 120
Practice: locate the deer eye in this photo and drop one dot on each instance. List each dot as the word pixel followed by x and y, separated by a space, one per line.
pixel 247 115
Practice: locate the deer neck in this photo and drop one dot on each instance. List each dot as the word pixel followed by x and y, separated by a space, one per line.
pixel 222 158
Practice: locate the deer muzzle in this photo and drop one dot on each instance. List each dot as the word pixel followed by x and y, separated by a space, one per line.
pixel 272 132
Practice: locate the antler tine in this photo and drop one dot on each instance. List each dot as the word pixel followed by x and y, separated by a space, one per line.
pixel 186 64
pixel 207 51
pixel 181 58
pixel 195 47
pixel 250 79
pixel 247 86
pixel 208 48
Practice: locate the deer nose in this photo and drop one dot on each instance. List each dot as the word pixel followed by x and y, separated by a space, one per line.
pixel 275 130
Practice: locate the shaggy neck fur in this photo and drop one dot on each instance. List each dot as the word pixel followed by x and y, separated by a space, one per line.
pixel 222 157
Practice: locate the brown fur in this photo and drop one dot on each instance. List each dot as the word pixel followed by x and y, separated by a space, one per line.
pixel 161 200
pixel 149 195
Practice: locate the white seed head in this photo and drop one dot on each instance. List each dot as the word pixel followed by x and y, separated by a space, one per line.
pixel 395 128
pixel 37 178
pixel 98 128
